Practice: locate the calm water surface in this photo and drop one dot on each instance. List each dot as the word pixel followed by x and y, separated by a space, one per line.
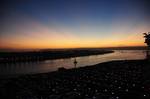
pixel 53 65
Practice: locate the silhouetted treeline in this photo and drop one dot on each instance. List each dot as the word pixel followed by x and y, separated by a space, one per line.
pixel 6 57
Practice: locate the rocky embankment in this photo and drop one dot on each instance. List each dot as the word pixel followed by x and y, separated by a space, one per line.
pixel 110 80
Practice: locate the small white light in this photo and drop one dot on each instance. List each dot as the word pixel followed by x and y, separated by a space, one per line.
pixel 127 90
pixel 112 93
pixel 94 97
pixel 133 85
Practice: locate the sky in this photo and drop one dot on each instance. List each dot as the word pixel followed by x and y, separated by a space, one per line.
pixel 42 24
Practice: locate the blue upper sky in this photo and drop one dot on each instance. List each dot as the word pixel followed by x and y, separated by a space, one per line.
pixel 83 22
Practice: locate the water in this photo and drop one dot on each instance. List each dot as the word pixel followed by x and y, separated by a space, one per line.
pixel 53 65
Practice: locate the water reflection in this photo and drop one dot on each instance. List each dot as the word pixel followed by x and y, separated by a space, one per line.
pixel 53 65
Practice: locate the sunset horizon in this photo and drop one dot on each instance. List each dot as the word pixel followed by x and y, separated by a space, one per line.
pixel 73 24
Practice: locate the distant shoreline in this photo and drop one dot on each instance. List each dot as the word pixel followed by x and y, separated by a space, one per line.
pixel 11 57
pixel 59 49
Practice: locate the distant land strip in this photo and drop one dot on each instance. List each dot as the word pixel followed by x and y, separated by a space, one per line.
pixel 11 57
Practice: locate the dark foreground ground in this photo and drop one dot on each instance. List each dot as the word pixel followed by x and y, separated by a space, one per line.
pixel 111 80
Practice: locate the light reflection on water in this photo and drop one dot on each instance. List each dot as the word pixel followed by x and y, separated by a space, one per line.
pixel 53 65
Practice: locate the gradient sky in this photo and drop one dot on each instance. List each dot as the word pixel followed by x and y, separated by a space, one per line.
pixel 34 24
